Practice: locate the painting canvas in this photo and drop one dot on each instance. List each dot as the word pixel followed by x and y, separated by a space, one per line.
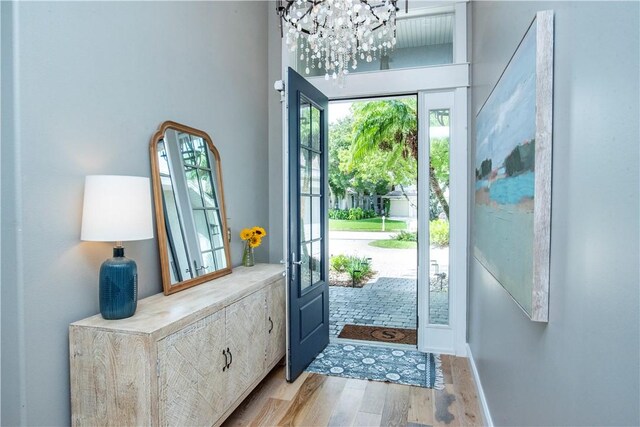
pixel 513 172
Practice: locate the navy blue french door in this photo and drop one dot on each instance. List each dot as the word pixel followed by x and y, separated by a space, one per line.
pixel 308 289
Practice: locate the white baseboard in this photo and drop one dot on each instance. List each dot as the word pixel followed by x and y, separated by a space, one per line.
pixel 483 401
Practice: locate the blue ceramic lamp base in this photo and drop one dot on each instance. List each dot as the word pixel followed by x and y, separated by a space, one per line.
pixel 118 286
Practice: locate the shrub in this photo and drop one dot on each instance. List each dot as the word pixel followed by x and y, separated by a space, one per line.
pixel 370 213
pixel 338 214
pixel 357 268
pixel 352 214
pixel 407 236
pixel 339 262
pixel 439 232
pixel 355 214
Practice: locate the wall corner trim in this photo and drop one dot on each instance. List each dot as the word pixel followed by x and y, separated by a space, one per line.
pixel 488 421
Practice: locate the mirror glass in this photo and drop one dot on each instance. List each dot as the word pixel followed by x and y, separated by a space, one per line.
pixel 189 204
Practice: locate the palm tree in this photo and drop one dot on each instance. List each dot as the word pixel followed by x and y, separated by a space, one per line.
pixel 391 126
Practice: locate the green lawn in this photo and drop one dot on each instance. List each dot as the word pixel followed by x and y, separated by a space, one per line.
pixel 371 224
pixel 394 244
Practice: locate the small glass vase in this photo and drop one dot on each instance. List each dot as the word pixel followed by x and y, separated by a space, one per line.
pixel 248 259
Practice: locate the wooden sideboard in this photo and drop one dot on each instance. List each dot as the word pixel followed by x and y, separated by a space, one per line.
pixel 185 359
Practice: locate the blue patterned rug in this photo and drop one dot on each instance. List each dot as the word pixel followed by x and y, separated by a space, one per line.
pixel 378 363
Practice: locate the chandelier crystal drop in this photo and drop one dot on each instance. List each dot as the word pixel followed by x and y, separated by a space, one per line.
pixel 334 34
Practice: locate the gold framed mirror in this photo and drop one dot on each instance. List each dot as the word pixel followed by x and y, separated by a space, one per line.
pixel 193 237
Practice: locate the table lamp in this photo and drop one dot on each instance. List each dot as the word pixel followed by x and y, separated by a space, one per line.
pixel 117 209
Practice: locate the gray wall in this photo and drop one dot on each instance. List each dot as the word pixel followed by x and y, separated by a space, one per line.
pixel 582 368
pixel 92 82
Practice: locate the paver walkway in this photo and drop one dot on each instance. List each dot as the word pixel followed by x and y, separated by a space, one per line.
pixel 388 301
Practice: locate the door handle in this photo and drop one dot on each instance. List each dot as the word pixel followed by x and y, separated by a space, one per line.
pixel 230 358
pixel 198 269
pixel 226 361
pixel 271 327
pixel 293 259
pixel 293 263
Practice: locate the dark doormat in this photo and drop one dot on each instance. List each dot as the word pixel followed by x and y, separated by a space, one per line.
pixel 380 363
pixel 379 333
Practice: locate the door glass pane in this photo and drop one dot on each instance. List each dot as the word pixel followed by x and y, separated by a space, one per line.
pixel 206 184
pixel 315 128
pixel 305 121
pixel 315 219
pixel 305 171
pixel 193 187
pixel 305 268
pixel 219 259
pixel 186 147
pixel 201 149
pixel 202 231
pixel 315 173
pixel 439 217
pixel 207 263
pixel 213 216
pixel 305 218
pixel 316 261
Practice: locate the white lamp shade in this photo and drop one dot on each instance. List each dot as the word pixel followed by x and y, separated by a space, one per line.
pixel 116 208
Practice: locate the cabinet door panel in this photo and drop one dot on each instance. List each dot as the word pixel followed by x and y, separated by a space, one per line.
pixel 110 378
pixel 246 341
pixel 192 385
pixel 276 322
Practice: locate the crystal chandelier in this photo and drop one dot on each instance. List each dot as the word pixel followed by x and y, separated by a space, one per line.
pixel 334 34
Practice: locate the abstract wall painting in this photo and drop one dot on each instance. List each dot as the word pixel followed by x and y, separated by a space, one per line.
pixel 512 209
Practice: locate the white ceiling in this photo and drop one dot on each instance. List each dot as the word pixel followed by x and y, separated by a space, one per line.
pixel 424 30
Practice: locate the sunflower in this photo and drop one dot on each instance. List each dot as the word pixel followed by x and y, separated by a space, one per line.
pixel 255 241
pixel 259 231
pixel 246 234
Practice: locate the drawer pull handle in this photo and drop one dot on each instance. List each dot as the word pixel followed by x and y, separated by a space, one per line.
pixel 226 361
pixel 270 327
pixel 230 357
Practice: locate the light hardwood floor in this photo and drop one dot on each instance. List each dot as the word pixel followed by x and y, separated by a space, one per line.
pixel 319 400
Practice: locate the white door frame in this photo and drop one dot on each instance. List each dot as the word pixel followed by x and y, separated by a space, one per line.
pixel 451 338
pixel 451 92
